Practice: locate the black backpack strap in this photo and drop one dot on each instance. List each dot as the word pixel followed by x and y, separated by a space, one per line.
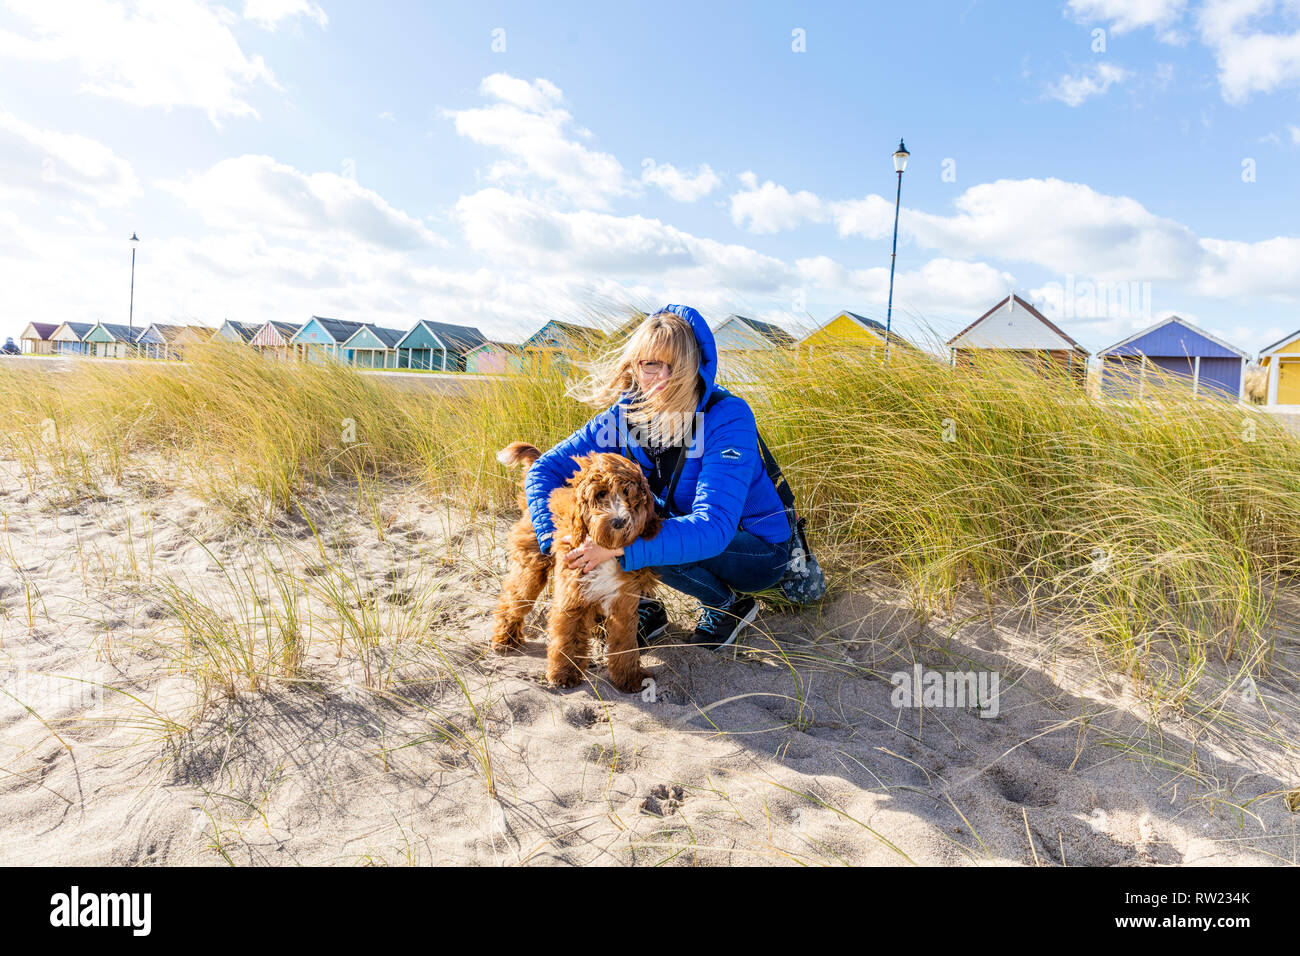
pixel 774 474
pixel 717 396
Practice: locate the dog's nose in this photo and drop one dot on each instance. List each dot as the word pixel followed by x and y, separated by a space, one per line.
pixel 619 522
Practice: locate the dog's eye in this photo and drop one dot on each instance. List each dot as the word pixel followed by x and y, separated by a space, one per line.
pixel 601 495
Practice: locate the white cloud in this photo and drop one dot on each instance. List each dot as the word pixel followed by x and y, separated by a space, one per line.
pixel 771 208
pixel 871 217
pixel 1264 268
pixel 1126 15
pixel 677 184
pixel 164 53
pixel 1249 60
pixel 941 286
pixel 528 123
pixel 1254 43
pixel 39 162
pixel 1065 227
pixel 1074 90
pixel 515 229
pixel 256 191
pixel 1295 135
pixel 269 13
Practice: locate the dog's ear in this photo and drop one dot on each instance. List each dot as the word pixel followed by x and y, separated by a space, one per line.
pixel 582 461
pixel 577 528
pixel 646 504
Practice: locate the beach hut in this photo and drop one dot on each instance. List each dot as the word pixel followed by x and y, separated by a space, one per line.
pixel 738 333
pixel 556 343
pixel 70 338
pixel 158 341
pixel 1175 347
pixel 746 347
pixel 36 338
pixel 494 358
pixel 241 333
pixel 373 347
pixel 437 346
pixel 195 335
pixel 110 340
pixel 272 340
pixel 1016 327
pixel 321 340
pixel 1282 362
pixel 847 330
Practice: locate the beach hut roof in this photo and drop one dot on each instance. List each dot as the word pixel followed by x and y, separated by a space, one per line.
pixel 43 330
pixel 168 333
pixel 455 338
pixel 581 334
pixel 389 337
pixel 281 331
pixel 1270 349
pixel 871 325
pixel 245 330
pixel 459 338
pixel 773 333
pixel 1016 300
pixel 120 332
pixel 1173 319
pixel 79 329
pixel 339 330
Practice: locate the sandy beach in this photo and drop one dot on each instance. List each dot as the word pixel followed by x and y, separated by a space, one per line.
pixel 383 730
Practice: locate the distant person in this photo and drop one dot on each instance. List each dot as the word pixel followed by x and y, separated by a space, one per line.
pixel 10 348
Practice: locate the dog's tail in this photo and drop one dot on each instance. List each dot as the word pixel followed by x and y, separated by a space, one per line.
pixel 519 451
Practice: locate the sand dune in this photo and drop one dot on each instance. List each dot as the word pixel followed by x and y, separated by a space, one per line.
pixel 382 728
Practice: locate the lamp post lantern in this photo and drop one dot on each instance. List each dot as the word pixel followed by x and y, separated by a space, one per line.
pixel 900 164
pixel 130 320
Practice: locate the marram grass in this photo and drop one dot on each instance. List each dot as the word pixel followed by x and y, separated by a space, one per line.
pixel 1160 527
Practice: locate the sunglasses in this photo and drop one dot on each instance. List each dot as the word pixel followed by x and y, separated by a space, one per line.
pixel 655 368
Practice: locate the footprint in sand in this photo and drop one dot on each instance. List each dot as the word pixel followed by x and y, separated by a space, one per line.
pixel 663 800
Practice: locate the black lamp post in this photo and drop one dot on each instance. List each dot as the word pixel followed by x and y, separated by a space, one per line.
pixel 900 164
pixel 131 315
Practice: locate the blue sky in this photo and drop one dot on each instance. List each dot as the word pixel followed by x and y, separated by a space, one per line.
pixel 502 164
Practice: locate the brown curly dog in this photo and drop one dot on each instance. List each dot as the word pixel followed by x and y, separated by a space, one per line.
pixel 609 501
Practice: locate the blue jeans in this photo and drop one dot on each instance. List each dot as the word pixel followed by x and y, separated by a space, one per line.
pixel 747 564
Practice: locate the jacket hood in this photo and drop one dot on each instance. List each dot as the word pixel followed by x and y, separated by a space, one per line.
pixel 708 350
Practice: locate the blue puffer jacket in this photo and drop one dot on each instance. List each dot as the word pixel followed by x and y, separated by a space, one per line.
pixel 723 484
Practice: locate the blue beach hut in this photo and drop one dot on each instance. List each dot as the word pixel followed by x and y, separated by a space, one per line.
pixel 1174 347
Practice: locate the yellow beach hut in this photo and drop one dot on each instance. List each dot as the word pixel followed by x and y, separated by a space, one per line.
pixel 1282 362
pixel 844 329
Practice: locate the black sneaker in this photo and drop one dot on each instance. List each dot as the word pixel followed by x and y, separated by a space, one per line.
pixel 651 621
pixel 719 627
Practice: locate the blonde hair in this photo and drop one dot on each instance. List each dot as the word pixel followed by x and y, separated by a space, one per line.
pixel 663 417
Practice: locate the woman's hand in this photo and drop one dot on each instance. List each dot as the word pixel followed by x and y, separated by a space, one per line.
pixel 587 555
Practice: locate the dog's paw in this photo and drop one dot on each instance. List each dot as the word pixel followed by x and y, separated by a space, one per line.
pixel 507 636
pixel 504 642
pixel 564 676
pixel 507 643
pixel 628 681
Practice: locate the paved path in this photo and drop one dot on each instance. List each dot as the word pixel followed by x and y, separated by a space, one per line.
pixel 449 383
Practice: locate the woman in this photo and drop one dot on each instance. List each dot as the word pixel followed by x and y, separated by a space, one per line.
pixel 727 531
